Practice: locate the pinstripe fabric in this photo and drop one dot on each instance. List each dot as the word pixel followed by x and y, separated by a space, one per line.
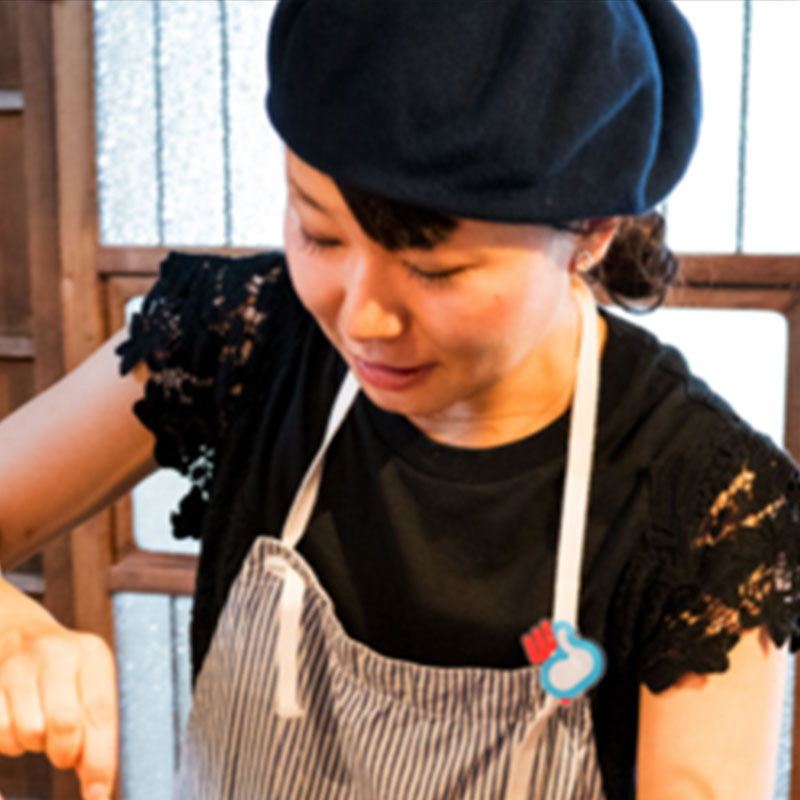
pixel 374 728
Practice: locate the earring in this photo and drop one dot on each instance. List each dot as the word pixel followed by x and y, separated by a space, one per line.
pixel 582 262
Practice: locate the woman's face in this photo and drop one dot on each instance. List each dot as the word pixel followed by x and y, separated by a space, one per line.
pixel 484 319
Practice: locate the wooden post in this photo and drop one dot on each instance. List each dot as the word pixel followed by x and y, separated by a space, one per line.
pixel 792 438
pixel 68 324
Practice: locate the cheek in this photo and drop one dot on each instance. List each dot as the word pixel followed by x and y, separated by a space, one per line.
pixel 492 328
pixel 468 327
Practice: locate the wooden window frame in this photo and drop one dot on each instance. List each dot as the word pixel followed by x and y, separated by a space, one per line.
pixel 80 289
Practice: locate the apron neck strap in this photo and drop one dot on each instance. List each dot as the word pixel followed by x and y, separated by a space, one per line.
pixel 578 474
pixel 580 450
pixel 300 513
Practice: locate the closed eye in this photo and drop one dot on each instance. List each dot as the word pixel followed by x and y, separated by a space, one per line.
pixel 431 276
pixel 315 243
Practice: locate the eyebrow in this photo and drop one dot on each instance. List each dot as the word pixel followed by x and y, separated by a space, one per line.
pixel 307 198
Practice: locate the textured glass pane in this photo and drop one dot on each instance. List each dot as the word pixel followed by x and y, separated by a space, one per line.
pixel 181 655
pixel 126 121
pixel 143 637
pixel 773 161
pixel 702 209
pixel 194 190
pixel 156 497
pixel 784 776
pixel 259 191
pixel 741 354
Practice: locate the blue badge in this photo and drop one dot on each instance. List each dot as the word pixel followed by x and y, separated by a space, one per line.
pixel 569 663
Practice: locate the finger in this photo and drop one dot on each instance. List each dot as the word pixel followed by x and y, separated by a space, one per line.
pixel 98 697
pixel 58 690
pixel 22 694
pixel 9 746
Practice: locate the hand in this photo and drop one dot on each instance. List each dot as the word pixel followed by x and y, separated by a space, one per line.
pixel 58 696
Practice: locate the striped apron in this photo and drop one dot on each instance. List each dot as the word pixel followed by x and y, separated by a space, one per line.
pixel 288 706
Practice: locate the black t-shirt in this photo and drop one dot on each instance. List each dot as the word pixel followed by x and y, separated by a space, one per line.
pixel 445 555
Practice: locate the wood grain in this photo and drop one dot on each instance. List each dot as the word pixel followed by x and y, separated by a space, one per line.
pixel 162 573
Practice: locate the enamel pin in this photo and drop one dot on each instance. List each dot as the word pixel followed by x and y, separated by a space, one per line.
pixel 569 664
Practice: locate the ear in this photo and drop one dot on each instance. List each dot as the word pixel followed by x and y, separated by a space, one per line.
pixel 591 247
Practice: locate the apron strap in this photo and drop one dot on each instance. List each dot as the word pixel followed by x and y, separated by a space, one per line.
pixel 290 608
pixel 580 451
pixel 300 513
pixel 524 754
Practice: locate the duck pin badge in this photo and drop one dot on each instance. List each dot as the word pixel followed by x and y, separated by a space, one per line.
pixel 569 664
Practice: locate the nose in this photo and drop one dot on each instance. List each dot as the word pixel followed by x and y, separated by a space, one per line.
pixel 371 309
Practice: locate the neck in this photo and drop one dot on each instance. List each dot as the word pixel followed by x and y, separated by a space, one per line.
pixel 517 407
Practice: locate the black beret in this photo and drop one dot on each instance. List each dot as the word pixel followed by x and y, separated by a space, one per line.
pixel 505 110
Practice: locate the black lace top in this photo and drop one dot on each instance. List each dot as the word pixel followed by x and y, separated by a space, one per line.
pixel 446 555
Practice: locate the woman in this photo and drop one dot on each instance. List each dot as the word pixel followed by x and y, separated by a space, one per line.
pixel 464 533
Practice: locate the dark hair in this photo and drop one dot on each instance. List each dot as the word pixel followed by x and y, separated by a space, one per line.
pixel 637 265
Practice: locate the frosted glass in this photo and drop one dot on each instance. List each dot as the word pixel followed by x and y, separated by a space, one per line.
pixel 194 189
pixel 784 772
pixel 703 207
pixel 181 611
pixel 773 160
pixel 125 121
pixel 258 184
pixel 740 353
pixel 154 499
pixel 143 639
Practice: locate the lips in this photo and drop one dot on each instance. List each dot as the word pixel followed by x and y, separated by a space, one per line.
pixel 390 367
pixel 384 376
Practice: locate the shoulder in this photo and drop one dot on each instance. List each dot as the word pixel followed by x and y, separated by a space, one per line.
pixel 719 553
pixel 208 321
pixel 215 333
pixel 197 293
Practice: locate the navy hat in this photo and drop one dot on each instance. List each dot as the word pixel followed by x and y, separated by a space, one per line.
pixel 505 110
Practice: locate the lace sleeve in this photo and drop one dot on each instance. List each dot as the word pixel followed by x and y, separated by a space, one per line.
pixel 200 329
pixel 726 558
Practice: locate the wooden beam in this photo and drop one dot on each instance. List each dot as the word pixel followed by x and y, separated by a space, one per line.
pixel 775 298
pixel 18 348
pixel 11 101
pixel 15 290
pixel 41 191
pixel 734 269
pixel 10 74
pixel 792 441
pixel 58 120
pixel 160 573
pixel 81 291
pixel 144 261
pixel 742 296
pixel 26 582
